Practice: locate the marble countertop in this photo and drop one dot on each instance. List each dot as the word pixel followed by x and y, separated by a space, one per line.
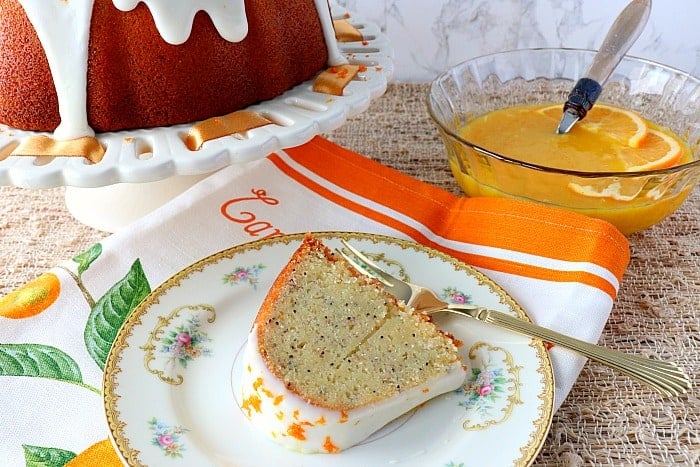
pixel 427 40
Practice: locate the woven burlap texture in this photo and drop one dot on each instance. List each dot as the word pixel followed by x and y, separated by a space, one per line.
pixel 608 419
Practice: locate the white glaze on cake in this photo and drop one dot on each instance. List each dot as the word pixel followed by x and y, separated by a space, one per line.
pixel 300 426
pixel 64 31
pixel 174 19
pixel 63 27
pixel 334 56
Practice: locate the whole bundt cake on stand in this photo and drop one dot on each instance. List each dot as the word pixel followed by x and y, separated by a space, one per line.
pixel 149 90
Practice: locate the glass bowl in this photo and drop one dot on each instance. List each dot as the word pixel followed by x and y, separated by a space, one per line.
pixel 663 95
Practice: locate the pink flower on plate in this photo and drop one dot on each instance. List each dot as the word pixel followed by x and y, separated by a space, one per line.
pixel 184 338
pixel 459 298
pixel 244 275
pixel 452 295
pixel 165 440
pixel 485 390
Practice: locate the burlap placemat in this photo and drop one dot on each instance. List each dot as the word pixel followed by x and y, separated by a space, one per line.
pixel 607 419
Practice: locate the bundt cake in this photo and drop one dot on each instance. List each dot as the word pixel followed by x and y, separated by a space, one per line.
pixel 332 357
pixel 79 67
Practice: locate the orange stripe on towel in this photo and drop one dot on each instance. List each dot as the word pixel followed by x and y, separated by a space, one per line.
pixel 494 222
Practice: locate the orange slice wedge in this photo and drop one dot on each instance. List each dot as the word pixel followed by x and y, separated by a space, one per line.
pixel 657 152
pixel 620 190
pixel 619 124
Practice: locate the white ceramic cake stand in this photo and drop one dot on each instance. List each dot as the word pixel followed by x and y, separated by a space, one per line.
pixel 143 169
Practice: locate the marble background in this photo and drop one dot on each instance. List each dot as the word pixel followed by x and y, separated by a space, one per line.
pixel 428 36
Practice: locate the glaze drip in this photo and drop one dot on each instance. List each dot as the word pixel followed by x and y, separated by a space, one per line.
pixel 64 29
pixel 174 19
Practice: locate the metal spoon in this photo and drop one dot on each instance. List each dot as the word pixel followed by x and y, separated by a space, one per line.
pixel 623 33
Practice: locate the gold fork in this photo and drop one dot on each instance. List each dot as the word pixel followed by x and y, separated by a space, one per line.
pixel 664 377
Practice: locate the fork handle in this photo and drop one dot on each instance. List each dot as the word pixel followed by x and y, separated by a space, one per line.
pixel 663 376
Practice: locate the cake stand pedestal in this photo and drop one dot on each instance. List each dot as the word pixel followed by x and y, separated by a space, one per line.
pixel 113 207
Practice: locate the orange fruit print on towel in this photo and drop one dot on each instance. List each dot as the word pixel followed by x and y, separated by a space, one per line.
pixel 99 454
pixel 32 298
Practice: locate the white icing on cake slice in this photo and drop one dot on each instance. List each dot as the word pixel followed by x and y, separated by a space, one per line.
pixel 301 426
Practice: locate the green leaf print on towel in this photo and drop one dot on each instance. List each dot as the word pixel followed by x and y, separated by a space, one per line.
pixel 86 258
pixel 110 311
pixel 37 456
pixel 40 361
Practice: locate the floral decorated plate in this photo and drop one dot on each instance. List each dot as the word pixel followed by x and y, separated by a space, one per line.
pixel 171 385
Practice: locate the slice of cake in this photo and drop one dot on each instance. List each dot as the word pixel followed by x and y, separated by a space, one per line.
pixel 332 357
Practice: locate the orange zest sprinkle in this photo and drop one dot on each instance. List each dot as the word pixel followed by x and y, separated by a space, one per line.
pixel 321 420
pixel 278 400
pixel 425 390
pixel 329 446
pixel 295 430
pixel 257 383
pixel 280 415
pixel 251 403
pixel 267 392
pixel 343 416
pixel 295 414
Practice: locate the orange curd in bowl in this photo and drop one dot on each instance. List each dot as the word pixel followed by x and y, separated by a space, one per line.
pixel 609 139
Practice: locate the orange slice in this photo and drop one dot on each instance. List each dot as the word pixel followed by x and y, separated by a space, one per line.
pixel 619 124
pixel 621 191
pixel 658 152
